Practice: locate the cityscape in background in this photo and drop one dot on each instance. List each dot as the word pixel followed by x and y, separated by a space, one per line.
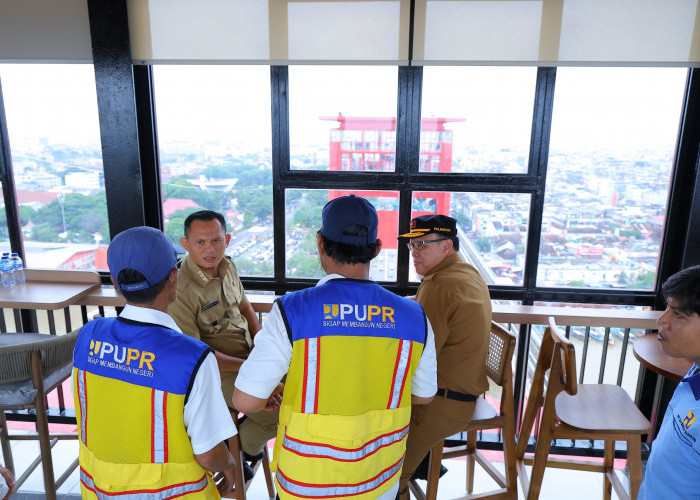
pixel 602 226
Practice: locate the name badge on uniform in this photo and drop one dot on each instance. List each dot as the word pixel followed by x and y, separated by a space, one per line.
pixel 209 305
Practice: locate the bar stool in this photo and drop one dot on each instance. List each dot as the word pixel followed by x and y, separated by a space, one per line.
pixel 498 369
pixel 577 411
pixel 240 486
pixel 31 366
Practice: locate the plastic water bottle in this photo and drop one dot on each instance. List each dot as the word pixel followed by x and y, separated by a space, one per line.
pixel 17 268
pixel 3 280
pixel 6 270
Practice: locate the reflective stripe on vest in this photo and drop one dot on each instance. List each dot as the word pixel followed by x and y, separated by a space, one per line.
pixel 336 490
pixel 309 403
pixel 403 359
pixel 343 454
pixel 161 494
pixel 82 397
pixel 159 438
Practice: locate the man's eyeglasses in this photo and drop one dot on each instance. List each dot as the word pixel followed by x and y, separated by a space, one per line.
pixel 418 245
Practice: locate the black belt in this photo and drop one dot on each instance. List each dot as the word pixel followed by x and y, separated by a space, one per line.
pixel 457 396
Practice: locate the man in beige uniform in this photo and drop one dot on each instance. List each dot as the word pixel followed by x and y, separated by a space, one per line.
pixel 456 299
pixel 212 306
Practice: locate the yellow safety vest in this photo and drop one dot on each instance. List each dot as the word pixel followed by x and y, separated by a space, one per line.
pixel 347 399
pixel 133 441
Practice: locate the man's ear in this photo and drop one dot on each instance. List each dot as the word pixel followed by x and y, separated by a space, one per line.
pixel 183 242
pixel 319 244
pixel 228 238
pixel 379 247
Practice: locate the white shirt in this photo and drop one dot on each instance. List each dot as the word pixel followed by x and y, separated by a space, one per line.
pixel 269 362
pixel 206 414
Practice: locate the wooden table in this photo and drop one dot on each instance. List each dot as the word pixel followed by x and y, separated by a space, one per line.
pixel 647 349
pixel 49 289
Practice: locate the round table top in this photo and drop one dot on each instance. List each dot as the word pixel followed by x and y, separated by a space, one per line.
pixel 647 349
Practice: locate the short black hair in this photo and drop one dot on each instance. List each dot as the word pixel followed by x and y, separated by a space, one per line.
pixel 346 253
pixel 684 288
pixel 130 276
pixel 203 215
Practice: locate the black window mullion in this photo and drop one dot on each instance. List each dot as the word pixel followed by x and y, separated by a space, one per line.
pixel 8 185
pixel 116 104
pixel 537 168
pixel 408 126
pixel 680 245
pixel 148 145
pixel 462 182
pixel 279 85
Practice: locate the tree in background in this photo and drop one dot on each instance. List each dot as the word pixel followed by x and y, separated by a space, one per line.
pixel 304 262
pixel 483 244
pixel 256 204
pixel 247 267
pixel 175 227
pixel 180 187
pixel 83 215
pixel 27 214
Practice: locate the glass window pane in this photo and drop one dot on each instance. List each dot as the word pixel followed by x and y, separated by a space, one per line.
pixel 476 119
pixel 492 230
pixel 303 219
pixel 612 146
pixel 57 160
pixel 342 117
pixel 214 135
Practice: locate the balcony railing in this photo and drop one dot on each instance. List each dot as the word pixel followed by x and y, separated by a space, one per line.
pixel 604 339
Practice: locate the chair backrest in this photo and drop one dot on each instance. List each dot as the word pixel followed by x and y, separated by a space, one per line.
pixel 500 355
pixel 56 352
pixel 563 363
pixel 558 360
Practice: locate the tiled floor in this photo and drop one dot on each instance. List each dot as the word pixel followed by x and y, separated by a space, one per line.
pixel 557 483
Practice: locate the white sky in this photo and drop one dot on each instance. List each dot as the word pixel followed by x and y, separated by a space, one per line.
pixel 54 101
pixel 594 108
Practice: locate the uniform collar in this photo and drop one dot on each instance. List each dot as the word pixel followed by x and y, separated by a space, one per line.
pixel 444 264
pixel 200 277
pixel 329 277
pixel 147 315
pixel 693 380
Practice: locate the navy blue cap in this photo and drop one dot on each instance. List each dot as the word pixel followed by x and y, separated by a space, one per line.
pixel 143 249
pixel 347 210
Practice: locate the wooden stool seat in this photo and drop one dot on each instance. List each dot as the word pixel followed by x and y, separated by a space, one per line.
pixel 498 369
pixel 598 407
